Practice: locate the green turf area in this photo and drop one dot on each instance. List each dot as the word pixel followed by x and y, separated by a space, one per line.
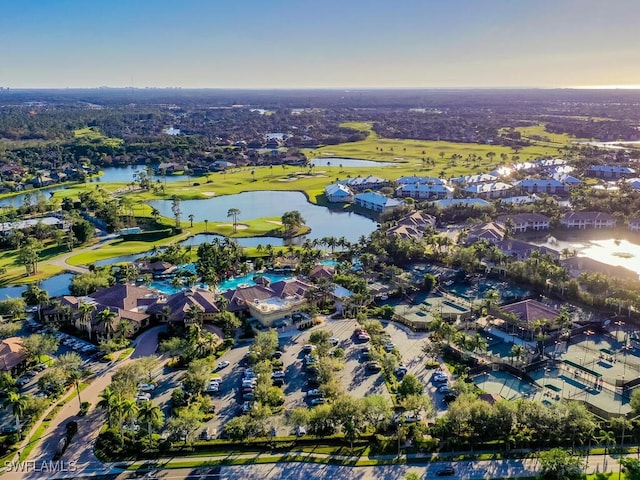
pixel 409 154
pixel 93 135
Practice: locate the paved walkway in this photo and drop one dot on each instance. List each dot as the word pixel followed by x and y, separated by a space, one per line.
pixel 61 260
pixel 80 451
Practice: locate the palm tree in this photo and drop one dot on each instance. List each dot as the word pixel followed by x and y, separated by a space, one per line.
pixel 194 314
pixel 478 343
pixel 87 310
pixel 234 213
pixel 206 226
pixel 124 330
pixel 491 298
pixel 151 415
pixel 191 217
pixel 518 352
pixel 16 402
pixel 291 221
pixel 42 298
pixel 70 364
pixel 564 320
pixel 108 319
pixel 130 412
pixel 107 400
pixel 606 439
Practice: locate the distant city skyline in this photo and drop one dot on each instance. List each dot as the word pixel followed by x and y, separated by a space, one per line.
pixel 320 44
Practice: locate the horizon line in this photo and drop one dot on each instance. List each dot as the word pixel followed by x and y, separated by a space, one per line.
pixel 336 88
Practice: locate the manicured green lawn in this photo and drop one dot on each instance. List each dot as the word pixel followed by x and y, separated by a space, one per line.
pixel 411 153
pixel 93 135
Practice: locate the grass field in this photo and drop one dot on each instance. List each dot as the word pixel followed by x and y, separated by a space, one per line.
pixel 92 134
pixel 409 153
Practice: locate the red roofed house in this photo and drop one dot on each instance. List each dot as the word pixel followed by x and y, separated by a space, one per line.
pixel 12 354
pixel 530 312
pixel 269 303
pixel 181 306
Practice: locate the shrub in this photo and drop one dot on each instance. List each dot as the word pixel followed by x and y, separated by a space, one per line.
pixel 72 429
pixel 84 408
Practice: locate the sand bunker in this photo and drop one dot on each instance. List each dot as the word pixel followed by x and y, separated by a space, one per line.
pixel 209 194
pixel 240 226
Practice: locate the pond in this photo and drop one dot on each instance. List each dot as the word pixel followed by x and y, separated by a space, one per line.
pixel 347 162
pixel 323 221
pixel 111 174
pixel 127 174
pixel 55 286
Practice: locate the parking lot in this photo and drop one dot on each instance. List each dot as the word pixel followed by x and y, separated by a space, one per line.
pixel 355 379
pixel 28 382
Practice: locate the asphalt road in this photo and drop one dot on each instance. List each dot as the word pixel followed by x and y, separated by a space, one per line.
pixel 306 471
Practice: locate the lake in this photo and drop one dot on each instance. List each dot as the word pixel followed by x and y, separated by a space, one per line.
pixel 347 162
pixel 323 221
pixel 617 252
pixel 612 145
pixel 111 174
pixel 55 286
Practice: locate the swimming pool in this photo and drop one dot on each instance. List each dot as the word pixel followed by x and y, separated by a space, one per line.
pixel 229 284
pixel 475 290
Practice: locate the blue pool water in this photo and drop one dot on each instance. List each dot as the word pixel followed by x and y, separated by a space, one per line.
pixel 229 284
pixel 475 290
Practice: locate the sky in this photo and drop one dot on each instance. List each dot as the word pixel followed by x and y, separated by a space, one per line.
pixel 319 43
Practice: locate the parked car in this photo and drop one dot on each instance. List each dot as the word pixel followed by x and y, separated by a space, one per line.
pixel 315 393
pixel 10 429
pixel 300 431
pixel 446 472
pixel 318 401
pixel 334 341
pixel 146 387
pixel 444 389
pixel 278 382
pixel 308 348
pixel 411 418
pixel 278 374
pixel 313 383
pixel 364 337
pixel 389 347
pixel 249 396
pixel 449 397
pixel 277 354
pixel 223 364
pixel 373 367
pixel 22 381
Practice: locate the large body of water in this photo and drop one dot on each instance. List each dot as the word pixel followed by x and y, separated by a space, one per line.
pixel 621 253
pixel 323 221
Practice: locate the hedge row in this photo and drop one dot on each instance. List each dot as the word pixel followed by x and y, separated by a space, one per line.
pixel 148 236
